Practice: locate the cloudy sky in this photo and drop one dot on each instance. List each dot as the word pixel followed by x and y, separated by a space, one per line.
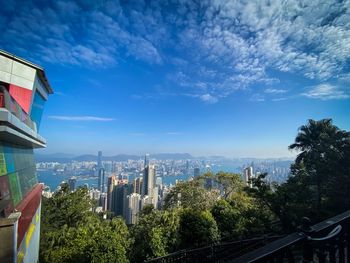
pixel 235 78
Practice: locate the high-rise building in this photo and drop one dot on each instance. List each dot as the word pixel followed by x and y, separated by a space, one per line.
pixel 133 208
pixel 103 201
pixel 248 175
pixel 196 172
pixel 100 173
pixel 101 180
pixel 112 181
pixel 99 160
pixel 71 183
pixel 24 89
pixel 119 199
pixel 148 180
pixel 138 185
pixel 146 160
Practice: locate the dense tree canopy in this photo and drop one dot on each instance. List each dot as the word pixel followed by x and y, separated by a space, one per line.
pixel 155 235
pixel 319 185
pixel 70 232
pixel 191 194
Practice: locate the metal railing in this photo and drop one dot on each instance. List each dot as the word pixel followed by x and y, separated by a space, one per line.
pixel 7 102
pixel 216 252
pixel 328 241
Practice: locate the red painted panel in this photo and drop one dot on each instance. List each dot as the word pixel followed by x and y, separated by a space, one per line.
pixel 2 100
pixel 22 96
pixel 28 207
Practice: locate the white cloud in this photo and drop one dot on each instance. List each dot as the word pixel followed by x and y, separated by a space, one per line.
pixel 326 92
pixel 212 48
pixel 80 118
pixel 257 98
pixel 208 98
pixel 275 91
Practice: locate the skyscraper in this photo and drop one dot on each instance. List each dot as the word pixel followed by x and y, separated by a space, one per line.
pixel 138 185
pixel 101 180
pixel 149 180
pixel 112 181
pixel 100 173
pixel 120 193
pixel 248 175
pixel 24 89
pixel 99 160
pixel 196 172
pixel 71 183
pixel 133 208
pixel 146 160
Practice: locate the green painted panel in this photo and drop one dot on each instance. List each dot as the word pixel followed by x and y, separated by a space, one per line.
pixel 15 188
pixel 10 162
pixel 3 169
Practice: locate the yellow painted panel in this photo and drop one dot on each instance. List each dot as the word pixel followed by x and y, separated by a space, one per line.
pixel 30 233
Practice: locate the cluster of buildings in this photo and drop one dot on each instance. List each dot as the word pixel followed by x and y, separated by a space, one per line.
pixel 126 198
pixel 123 188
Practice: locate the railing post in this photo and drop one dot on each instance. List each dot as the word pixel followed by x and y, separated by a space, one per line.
pixel 308 253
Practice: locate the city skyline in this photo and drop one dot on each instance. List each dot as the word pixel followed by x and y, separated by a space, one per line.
pixel 216 78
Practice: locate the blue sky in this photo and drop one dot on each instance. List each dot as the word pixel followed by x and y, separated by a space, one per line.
pixel 233 78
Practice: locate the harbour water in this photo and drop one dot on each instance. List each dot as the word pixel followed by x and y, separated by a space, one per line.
pixel 53 180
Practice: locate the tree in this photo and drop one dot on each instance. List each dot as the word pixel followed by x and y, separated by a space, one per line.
pixel 197 228
pixel 154 235
pixel 229 219
pixel 322 148
pixel 320 177
pixel 227 183
pixel 190 194
pixel 240 216
pixel 70 232
pixel 95 242
pixel 67 208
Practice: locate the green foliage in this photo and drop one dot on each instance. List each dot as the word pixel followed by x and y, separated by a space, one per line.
pixel 147 209
pixel 197 228
pixel 323 159
pixel 229 219
pixel 154 235
pixel 67 208
pixel 241 216
pixel 190 194
pixel 71 233
pixel 228 183
pixel 319 185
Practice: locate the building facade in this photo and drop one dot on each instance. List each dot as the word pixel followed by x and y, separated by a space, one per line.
pixel 24 89
pixel 248 175
pixel 133 208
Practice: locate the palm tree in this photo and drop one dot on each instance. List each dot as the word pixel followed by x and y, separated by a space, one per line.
pixel 318 143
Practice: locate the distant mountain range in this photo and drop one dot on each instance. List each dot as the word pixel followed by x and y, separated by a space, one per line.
pixel 62 158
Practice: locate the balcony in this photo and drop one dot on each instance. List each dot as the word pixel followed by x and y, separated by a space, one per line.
pixel 16 125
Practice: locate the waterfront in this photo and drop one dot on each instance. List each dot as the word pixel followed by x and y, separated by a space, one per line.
pixel 53 179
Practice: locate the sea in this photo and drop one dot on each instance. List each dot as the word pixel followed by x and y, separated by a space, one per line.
pixel 53 179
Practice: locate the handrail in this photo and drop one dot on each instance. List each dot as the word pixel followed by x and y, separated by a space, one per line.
pixel 327 239
pixel 238 246
pixel 336 231
pixel 308 240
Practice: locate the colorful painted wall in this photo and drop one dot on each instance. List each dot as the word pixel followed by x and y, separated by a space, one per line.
pixel 18 180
